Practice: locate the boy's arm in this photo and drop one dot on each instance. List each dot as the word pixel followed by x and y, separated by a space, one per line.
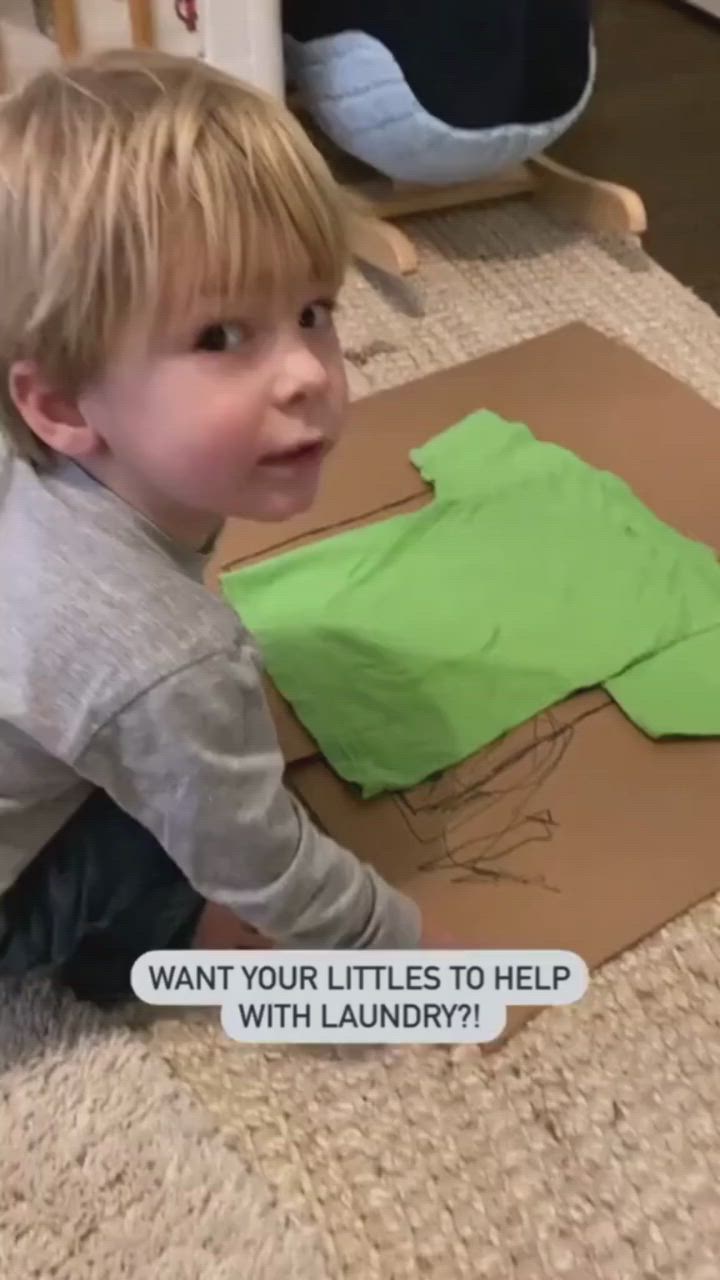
pixel 196 760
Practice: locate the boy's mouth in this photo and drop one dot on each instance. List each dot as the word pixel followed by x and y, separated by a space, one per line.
pixel 300 454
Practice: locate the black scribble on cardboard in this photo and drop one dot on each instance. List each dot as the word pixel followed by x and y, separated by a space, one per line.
pixel 485 810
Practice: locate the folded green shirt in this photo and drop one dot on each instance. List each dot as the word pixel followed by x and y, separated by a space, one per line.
pixel 409 644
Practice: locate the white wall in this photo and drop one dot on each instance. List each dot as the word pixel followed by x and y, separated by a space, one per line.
pixel 241 36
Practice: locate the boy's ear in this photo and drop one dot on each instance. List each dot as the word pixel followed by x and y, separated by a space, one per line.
pixel 53 417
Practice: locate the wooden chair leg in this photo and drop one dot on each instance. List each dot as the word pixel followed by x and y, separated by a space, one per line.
pixel 384 246
pixel 142 26
pixel 66 28
pixel 599 206
pixel 4 76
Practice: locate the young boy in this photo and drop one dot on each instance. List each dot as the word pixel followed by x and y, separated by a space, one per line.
pixel 171 247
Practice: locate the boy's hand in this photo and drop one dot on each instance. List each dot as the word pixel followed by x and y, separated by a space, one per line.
pixel 437 937
pixel 219 929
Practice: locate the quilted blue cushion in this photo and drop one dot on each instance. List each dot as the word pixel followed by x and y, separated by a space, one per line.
pixel 355 90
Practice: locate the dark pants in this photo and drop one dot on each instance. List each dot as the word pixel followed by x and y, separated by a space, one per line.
pixel 100 894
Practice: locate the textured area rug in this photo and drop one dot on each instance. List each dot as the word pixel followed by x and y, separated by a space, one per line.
pixel 110 1170
pixel 589 1149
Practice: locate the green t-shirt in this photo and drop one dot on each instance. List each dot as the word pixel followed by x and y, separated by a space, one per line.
pixel 409 644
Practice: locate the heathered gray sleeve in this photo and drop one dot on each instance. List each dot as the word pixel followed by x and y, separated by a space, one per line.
pixel 195 759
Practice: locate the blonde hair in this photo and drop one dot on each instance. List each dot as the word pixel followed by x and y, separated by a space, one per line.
pixel 134 182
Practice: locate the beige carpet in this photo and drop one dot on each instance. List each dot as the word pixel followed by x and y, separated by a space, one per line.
pixel 588 1150
pixel 111 1171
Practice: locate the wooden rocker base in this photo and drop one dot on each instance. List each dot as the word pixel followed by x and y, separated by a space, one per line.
pixel 603 207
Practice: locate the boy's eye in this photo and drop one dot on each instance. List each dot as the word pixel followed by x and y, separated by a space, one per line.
pixel 319 315
pixel 221 337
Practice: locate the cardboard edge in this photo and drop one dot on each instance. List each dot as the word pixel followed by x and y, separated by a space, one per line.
pixel 521 1017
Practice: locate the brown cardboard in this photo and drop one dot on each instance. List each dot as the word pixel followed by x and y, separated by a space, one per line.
pixel 575 831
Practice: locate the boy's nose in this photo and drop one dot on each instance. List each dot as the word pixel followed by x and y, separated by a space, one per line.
pixel 301 375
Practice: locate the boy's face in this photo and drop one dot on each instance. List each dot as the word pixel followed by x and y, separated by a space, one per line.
pixel 226 415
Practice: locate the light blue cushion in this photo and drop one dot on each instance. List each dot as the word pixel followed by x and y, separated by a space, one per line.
pixel 356 91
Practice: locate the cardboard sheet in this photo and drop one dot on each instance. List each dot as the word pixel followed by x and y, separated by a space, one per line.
pixel 574 831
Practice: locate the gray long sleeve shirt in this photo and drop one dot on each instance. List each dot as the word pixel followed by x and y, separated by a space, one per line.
pixel 120 670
